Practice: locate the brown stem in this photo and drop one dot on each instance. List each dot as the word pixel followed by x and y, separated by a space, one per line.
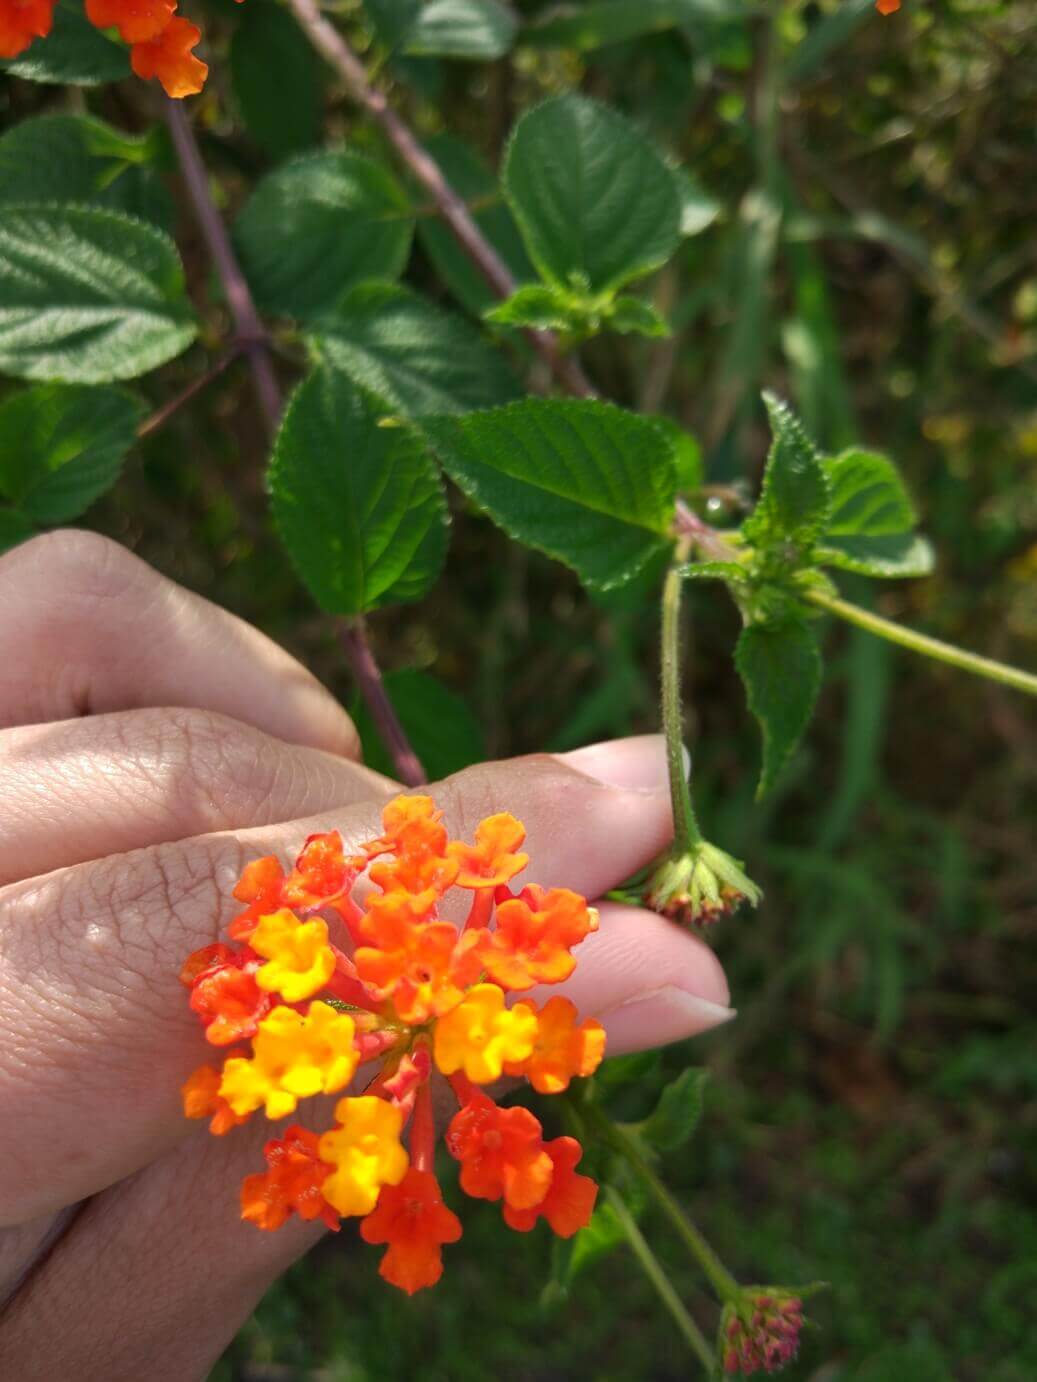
pixel 253 338
pixel 162 415
pixel 352 635
pixel 249 328
pixel 426 171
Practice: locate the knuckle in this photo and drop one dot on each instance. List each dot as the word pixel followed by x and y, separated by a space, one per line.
pixel 218 770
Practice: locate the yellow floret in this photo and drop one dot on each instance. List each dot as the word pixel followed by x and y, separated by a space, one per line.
pixel 480 1034
pixel 365 1150
pixel 300 960
pixel 294 1057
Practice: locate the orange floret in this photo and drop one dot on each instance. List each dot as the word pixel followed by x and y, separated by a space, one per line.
pixel 423 967
pixel 412 1218
pixel 562 1049
pixel 292 1184
pixel 229 1001
pixel 534 935
pixel 21 21
pixel 887 6
pixel 410 825
pixel 569 1202
pixel 494 858
pixel 260 886
pixel 322 875
pixel 209 957
pixel 202 1098
pixel 501 1152
pixel 138 21
pixel 168 57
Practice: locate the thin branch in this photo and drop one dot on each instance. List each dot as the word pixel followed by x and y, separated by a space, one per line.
pixel 254 339
pixel 426 171
pixel 249 328
pixel 162 415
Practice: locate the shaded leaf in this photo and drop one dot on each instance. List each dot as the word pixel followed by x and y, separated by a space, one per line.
pixel 587 483
pixel 75 158
pixel 318 225
pixel 461 29
pixel 602 22
pixel 419 358
pixel 687 455
pixel 596 204
pixel 73 53
pixel 14 528
pixel 267 40
pixel 359 506
pixel 88 295
pixel 676 1115
pixel 62 446
pixel 780 667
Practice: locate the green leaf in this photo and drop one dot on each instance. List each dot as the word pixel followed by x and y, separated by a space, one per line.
pixel 780 667
pixel 535 305
pixel 74 53
pixel 602 1235
pixel 687 455
pixel 268 40
pixel 317 226
pixel 62 446
pixel 628 314
pixel 14 528
pixel 359 506
pixel 676 1115
pixel 603 22
pixel 795 497
pixel 75 158
pixel 867 496
pixel 698 209
pixel 471 179
pixel 445 733
pixel 587 483
pixel 888 556
pixel 828 33
pixel 461 29
pixel 594 201
pixel 392 19
pixel 88 296
pixel 420 359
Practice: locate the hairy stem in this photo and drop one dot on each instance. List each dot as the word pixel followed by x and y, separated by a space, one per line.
pixel 426 171
pixel 352 635
pixel 653 1270
pixel 253 338
pixel 686 828
pixel 928 647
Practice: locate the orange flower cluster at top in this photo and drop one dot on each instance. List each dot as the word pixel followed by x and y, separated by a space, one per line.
pixel 887 6
pixel 160 41
pixel 420 996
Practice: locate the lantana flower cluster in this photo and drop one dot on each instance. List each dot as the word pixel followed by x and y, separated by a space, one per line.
pixel 160 40
pixel 418 1001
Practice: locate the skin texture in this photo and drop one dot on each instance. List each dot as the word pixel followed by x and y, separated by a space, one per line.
pixel 150 746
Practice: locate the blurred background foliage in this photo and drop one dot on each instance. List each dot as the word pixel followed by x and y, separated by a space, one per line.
pixel 861 238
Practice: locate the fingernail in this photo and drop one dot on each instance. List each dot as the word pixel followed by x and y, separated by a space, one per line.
pixel 637 764
pixel 663 1015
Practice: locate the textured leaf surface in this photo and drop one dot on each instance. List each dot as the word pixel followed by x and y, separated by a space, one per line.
pixel 780 667
pixel 62 446
pixel 687 455
pixel 867 496
pixel 630 314
pixel 472 179
pixel 319 225
pixel 594 201
pixel 445 733
pixel 535 305
pixel 461 29
pixel 795 496
pixel 420 359
pixel 888 556
pixel 359 507
pixel 269 40
pixel 75 158
pixel 88 295
pixel 73 53
pixel 676 1115
pixel 587 483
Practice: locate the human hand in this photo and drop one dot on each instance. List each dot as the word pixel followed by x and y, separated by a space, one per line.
pixel 150 746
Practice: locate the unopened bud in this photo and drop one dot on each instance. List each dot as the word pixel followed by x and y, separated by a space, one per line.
pixel 698 885
pixel 759 1332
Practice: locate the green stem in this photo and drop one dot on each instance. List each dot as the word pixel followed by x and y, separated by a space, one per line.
pixel 686 826
pixel 657 1276
pixel 928 647
pixel 723 1283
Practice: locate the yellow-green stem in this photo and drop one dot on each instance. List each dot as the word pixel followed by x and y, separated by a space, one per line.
pixel 928 647
pixel 685 824
pixel 653 1270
